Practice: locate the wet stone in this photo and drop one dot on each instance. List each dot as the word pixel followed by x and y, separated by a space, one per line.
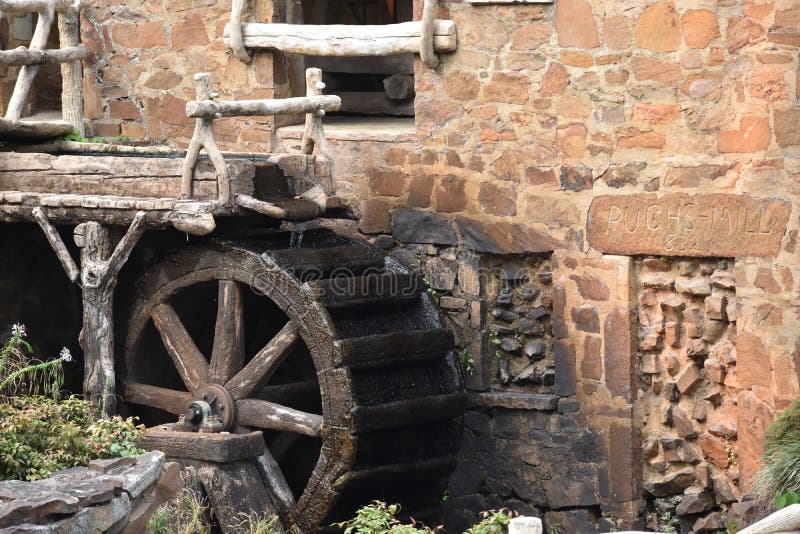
pixel 695 503
pixel 535 349
pixel 504 315
pixel 672 483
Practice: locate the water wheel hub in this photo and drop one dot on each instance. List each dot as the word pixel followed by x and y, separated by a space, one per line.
pixel 212 410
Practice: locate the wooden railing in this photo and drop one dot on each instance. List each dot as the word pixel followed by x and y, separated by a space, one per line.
pixel 206 109
pixel 69 56
pixel 425 37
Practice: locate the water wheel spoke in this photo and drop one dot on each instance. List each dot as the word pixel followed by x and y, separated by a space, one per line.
pixel 282 444
pixel 276 482
pixel 189 361
pixel 270 416
pixel 169 400
pixel 256 373
pixel 227 356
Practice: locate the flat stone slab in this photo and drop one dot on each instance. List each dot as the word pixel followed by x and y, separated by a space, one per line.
pixel 678 224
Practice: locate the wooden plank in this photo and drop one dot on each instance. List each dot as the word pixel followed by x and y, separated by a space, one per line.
pixel 268 415
pixel 11 130
pixel 236 491
pixel 227 355
pixel 189 361
pixel 169 400
pixel 220 447
pixel 408 412
pixel 401 64
pixel 250 379
pixel 341 40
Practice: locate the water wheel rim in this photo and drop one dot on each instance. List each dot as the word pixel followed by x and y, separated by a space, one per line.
pixel 315 330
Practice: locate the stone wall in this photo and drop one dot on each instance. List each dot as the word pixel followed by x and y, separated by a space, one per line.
pixel 117 495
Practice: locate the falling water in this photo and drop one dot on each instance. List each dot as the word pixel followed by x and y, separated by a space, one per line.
pixel 296 240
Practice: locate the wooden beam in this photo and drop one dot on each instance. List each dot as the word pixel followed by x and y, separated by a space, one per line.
pixel 188 360
pixel 72 71
pixel 219 447
pixel 341 40
pixel 375 103
pixel 13 130
pixel 227 354
pixel 237 13
pixel 169 400
pixel 20 7
pixel 267 415
pixel 209 109
pixel 26 56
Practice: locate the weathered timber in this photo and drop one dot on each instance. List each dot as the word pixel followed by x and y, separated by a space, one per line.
pixel 408 412
pixel 399 86
pixel 209 109
pixel 261 206
pixel 19 98
pixel 72 70
pixel 196 218
pixel 786 520
pixel 375 103
pixel 258 370
pixel 238 8
pixel 31 129
pixel 25 56
pixel 227 354
pixel 426 46
pixel 188 360
pixel 20 7
pixel 98 279
pixel 354 291
pixel 121 176
pixel 340 40
pixel 268 415
pixel 314 132
pixel 376 350
pixel 203 138
pixel 221 447
pixel 292 409
pixel 235 490
pixel 169 400
pixel 275 480
pixel 401 64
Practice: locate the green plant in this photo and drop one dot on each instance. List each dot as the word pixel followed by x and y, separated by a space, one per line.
pixel 780 473
pixel 22 375
pixel 39 436
pixel 255 523
pixel 379 518
pixel 667 522
pixel 494 339
pixel 493 522
pixel 187 513
pixel 786 498
pixel 555 528
pixel 467 361
pixel 74 135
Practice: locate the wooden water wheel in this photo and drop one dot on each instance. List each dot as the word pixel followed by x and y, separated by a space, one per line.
pixel 335 355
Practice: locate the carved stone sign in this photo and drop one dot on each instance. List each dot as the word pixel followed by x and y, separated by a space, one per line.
pixel 679 224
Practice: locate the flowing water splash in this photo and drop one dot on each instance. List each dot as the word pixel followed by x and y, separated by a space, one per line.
pixel 296 239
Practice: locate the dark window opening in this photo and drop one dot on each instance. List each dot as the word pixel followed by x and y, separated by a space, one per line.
pixel 370 85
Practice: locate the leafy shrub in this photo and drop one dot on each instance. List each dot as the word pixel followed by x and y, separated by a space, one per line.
pixel 379 518
pixel 492 522
pixel 39 436
pixel 780 475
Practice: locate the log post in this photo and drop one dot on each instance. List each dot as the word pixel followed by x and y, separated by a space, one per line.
pixel 71 72
pixel 203 137
pixel 28 72
pixel 97 280
pixel 237 43
pixel 314 133
pixel 426 50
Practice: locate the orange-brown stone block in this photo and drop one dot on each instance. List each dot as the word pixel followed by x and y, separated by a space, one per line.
pixel 658 28
pixel 575 24
pixel 754 135
pixel 700 27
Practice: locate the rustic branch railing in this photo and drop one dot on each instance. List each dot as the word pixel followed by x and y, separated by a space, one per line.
pixel 70 56
pixel 425 37
pixel 205 109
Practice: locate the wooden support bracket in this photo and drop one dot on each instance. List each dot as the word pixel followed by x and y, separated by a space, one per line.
pixel 97 279
pixel 203 137
pixel 237 43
